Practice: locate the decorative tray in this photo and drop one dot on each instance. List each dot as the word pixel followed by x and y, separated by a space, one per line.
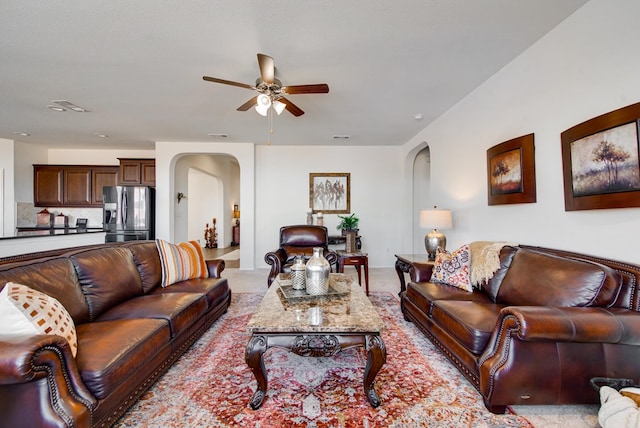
pixel 338 286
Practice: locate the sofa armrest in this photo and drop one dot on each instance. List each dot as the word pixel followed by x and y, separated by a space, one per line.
pixel 26 359
pixel 420 272
pixel 573 324
pixel 276 259
pixel 215 267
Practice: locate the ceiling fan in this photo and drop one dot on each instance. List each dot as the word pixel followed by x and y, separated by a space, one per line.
pixel 271 91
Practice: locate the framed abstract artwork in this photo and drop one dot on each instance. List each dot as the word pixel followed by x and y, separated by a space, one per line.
pixel 330 192
pixel 601 161
pixel 511 173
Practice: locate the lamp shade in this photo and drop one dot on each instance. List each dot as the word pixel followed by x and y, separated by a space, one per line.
pixel 435 219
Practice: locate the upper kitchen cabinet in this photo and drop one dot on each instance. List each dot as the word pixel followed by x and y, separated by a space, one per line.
pixel 48 186
pixel 137 172
pixel 71 185
pixel 101 177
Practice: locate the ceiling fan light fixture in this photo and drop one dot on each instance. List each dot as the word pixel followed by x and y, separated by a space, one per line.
pixel 279 107
pixel 264 102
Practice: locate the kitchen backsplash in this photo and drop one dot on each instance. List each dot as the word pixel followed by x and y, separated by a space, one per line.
pixel 27 214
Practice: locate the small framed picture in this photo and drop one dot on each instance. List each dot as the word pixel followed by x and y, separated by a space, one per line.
pixel 330 192
pixel 511 173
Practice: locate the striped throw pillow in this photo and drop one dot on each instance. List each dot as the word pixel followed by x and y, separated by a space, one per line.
pixel 181 261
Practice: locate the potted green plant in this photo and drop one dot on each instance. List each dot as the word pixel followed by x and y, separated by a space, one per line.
pixel 348 223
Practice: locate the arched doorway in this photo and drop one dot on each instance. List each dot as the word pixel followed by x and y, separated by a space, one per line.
pixel 211 184
pixel 421 196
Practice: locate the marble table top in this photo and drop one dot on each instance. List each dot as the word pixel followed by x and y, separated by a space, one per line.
pixel 350 311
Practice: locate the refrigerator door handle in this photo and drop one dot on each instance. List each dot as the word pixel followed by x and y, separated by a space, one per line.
pixel 123 206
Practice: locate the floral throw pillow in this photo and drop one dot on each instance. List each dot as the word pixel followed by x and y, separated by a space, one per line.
pixel 453 268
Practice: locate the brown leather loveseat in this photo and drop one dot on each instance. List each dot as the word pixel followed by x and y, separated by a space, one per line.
pixel 130 330
pixel 536 332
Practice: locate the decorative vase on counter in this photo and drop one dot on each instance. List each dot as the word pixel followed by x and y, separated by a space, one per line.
pixel 317 273
pixel 298 274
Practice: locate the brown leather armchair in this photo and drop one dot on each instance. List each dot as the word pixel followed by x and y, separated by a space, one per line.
pixel 294 241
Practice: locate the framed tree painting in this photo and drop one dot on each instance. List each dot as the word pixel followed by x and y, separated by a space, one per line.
pixel 330 192
pixel 511 173
pixel 601 161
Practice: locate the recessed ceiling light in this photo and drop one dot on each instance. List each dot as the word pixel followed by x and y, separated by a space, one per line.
pixel 101 135
pixel 56 108
pixel 418 116
pixel 341 137
pixel 22 134
pixel 219 135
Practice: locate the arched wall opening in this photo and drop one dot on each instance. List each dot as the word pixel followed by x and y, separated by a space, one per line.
pixel 421 196
pixel 233 164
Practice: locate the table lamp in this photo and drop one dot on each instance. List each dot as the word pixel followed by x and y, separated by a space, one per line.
pixel 435 219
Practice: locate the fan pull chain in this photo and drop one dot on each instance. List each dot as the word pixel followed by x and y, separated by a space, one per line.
pixel 269 125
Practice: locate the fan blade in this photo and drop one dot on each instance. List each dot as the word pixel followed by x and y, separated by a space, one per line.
pixel 293 109
pixel 320 88
pixel 246 106
pixel 227 82
pixel 267 69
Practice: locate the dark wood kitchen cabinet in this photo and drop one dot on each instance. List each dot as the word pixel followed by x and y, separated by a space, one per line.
pixel 137 172
pixel 71 185
pixel 101 177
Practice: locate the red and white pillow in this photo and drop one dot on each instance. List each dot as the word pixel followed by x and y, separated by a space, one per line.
pixel 181 261
pixel 453 268
pixel 24 311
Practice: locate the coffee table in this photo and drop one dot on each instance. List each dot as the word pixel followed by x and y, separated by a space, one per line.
pixel 316 326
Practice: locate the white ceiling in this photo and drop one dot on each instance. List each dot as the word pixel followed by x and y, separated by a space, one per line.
pixel 138 66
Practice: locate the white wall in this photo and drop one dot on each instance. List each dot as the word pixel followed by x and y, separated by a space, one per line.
pixel 204 204
pixel 7 219
pixel 282 194
pixel 585 67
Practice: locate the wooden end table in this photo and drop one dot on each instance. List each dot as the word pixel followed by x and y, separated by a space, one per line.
pixel 404 263
pixel 357 260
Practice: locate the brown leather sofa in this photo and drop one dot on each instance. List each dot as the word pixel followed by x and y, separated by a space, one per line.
pixel 129 329
pixel 294 241
pixel 535 333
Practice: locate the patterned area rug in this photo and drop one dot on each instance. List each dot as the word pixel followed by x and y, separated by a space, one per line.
pixel 211 385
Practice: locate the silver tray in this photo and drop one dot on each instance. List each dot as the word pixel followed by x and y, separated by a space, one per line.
pixel 292 295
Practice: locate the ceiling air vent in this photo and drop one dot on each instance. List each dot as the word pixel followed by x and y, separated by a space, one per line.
pixel 70 106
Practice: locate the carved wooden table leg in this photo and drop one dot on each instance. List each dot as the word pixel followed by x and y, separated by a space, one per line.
pixel 402 267
pixel 254 357
pixel 376 357
pixel 315 345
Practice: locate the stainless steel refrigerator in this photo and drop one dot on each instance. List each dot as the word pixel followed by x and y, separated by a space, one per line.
pixel 129 213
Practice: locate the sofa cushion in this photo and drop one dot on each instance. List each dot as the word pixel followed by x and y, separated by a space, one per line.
pixel 215 289
pixel 423 294
pixel 181 261
pixel 180 310
pixel 108 276
pixel 469 323
pixel 113 352
pixel 540 279
pixel 452 268
pixel 147 259
pixel 492 286
pixel 24 311
pixel 55 277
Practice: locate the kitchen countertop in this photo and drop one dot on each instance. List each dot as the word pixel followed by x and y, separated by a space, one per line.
pixel 34 231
